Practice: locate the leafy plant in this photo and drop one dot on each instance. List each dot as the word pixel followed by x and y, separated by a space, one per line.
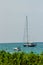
pixel 20 58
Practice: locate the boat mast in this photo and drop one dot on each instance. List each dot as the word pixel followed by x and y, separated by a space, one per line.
pixel 27 28
pixel 27 43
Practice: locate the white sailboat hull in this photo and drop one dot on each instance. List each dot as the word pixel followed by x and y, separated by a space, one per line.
pixel 29 45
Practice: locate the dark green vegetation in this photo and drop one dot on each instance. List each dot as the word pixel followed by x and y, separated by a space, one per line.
pixel 20 58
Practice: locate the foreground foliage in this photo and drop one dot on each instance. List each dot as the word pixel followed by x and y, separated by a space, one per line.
pixel 20 58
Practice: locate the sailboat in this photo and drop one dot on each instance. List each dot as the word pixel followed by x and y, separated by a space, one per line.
pixel 29 44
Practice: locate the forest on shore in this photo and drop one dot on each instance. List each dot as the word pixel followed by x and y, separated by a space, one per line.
pixel 20 58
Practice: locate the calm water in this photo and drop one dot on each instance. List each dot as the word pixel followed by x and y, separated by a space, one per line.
pixel 9 47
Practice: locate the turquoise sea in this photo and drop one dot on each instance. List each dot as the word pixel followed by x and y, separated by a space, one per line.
pixel 9 47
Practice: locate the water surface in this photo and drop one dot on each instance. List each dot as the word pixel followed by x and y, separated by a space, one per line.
pixel 9 47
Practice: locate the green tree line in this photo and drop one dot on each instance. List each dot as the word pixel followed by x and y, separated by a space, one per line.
pixel 20 58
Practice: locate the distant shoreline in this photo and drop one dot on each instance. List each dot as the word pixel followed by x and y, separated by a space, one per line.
pixel 18 42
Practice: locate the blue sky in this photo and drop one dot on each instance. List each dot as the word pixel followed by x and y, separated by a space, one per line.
pixel 13 17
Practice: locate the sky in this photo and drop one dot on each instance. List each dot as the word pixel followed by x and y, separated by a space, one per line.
pixel 13 19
